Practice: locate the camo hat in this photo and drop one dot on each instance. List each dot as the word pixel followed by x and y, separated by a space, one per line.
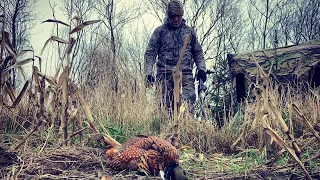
pixel 175 8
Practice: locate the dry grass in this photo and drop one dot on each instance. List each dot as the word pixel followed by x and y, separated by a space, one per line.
pixel 128 113
pixel 132 114
pixel 70 162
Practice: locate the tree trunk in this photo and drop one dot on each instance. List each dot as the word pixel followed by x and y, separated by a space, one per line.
pixel 14 41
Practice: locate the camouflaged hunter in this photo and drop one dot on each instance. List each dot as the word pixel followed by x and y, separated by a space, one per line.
pixel 164 48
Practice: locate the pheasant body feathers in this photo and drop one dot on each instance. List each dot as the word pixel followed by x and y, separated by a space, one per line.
pixel 148 153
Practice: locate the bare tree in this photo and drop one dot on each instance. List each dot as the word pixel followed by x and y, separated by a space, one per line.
pixel 157 8
pixel 98 40
pixel 115 15
pixel 305 21
pixel 79 11
pixel 295 21
pixel 263 16
pixel 19 20
pixel 229 38
pixel 285 17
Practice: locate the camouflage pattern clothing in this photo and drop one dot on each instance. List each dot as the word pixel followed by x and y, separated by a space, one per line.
pixel 164 50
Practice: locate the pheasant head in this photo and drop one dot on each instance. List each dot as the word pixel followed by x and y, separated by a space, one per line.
pixel 174 172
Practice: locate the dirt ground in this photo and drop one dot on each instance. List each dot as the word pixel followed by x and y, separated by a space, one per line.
pixel 78 162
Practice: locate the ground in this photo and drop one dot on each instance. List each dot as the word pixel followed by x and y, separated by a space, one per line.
pixel 81 162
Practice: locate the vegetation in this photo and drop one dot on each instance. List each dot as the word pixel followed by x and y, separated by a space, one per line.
pixel 56 123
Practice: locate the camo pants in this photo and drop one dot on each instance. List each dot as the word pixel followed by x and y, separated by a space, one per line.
pixel 188 96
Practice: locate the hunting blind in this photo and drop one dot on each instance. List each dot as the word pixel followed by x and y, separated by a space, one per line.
pixel 290 64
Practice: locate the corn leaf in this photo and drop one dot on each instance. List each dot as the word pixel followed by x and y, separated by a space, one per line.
pixel 22 72
pixel 21 94
pixel 23 52
pixel 51 80
pixel 82 25
pixel 53 38
pixel 19 64
pixel 262 73
pixel 10 50
pixel 52 107
pixel 47 94
pixel 7 43
pixel 278 116
pixel 56 21
pixel 10 91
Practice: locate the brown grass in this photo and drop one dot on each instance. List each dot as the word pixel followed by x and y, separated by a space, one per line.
pixel 131 113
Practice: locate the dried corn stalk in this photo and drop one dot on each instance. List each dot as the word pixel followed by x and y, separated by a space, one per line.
pixel 270 107
pixel 296 109
pixel 64 104
pixel 90 119
pixel 41 118
pixel 177 78
pixel 282 143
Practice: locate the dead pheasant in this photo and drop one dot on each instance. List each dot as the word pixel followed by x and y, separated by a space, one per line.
pixel 150 154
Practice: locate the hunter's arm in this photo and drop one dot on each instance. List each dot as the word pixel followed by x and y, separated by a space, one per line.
pixel 151 52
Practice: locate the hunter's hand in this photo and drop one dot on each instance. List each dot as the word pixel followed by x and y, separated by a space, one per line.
pixel 149 80
pixel 202 75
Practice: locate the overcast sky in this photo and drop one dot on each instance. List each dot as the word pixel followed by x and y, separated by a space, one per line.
pixel 43 31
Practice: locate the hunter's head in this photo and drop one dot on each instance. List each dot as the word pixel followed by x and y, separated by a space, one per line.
pixel 175 13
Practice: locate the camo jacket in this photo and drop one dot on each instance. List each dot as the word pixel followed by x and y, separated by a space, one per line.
pixel 164 47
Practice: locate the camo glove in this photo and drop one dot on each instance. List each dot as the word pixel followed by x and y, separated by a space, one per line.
pixel 202 75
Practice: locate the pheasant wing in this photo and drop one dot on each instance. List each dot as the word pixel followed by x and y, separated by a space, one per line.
pixel 127 159
pixel 151 162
